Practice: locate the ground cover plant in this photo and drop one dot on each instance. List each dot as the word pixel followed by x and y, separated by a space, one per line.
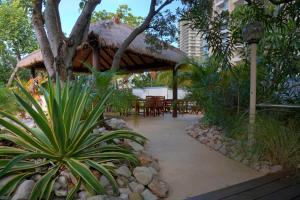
pixel 63 139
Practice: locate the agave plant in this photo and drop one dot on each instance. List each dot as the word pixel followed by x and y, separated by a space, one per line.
pixel 63 140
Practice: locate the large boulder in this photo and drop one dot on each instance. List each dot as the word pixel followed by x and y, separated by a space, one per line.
pixel 23 191
pixel 116 124
pixel 143 175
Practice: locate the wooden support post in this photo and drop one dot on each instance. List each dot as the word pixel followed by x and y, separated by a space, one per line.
pixel 252 107
pixel 96 57
pixel 175 92
pixel 94 43
pixel 32 70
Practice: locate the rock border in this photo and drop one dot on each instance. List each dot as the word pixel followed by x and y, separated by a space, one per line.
pixel 214 138
pixel 135 183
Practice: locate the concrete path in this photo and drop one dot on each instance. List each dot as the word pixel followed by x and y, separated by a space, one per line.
pixel 189 167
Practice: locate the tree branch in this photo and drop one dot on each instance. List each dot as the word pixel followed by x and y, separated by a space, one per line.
pixel 53 25
pixel 38 25
pixel 152 12
pixel 83 22
pixel 80 30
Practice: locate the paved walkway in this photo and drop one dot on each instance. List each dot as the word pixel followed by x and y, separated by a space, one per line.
pixel 189 167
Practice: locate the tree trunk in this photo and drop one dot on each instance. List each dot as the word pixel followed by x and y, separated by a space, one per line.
pixel 57 50
pixel 16 69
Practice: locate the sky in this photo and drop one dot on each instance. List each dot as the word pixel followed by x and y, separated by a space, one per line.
pixel 69 9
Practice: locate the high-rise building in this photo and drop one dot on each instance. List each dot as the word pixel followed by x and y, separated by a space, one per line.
pixel 191 42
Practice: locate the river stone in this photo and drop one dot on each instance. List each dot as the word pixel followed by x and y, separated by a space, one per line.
pixel 149 195
pixel 159 188
pixel 145 159
pixel 155 165
pixel 122 181
pixel 61 192
pixel 136 187
pixel 123 171
pixel 104 181
pixel 124 196
pixel 63 181
pixel 24 189
pixel 96 131
pixel 143 175
pixel 124 191
pixel 35 177
pixel 136 146
pixel 117 124
pixel 154 172
pixel 83 195
pixel 135 196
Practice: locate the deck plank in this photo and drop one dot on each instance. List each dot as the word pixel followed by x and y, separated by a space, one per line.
pixel 238 188
pixel 265 190
pixel 254 189
pixel 289 193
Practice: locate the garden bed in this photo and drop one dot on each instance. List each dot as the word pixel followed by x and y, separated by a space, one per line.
pixel 140 182
pixel 214 138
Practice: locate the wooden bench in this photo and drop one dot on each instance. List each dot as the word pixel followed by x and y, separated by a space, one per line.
pixel 279 186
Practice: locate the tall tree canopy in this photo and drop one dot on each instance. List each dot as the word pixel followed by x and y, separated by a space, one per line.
pixel 16 36
pixel 123 13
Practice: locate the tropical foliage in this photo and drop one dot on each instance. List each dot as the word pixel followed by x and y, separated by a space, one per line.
pixel 123 13
pixel 62 139
pixel 277 142
pixel 7 100
pixel 16 37
pixel 220 84
pixel 278 56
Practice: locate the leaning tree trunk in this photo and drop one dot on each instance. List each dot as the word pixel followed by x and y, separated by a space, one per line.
pixel 14 73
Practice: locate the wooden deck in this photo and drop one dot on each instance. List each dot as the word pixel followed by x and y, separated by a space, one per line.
pixel 278 186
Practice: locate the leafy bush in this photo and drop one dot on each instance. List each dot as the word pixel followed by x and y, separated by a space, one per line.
pixel 62 140
pixel 120 100
pixel 276 142
pixel 221 94
pixel 7 100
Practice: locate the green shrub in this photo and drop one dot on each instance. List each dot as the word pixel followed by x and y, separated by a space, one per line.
pixel 276 142
pixel 122 101
pixel 62 140
pixel 7 100
pixel 221 94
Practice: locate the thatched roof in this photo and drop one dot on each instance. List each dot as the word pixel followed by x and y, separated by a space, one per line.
pixel 138 56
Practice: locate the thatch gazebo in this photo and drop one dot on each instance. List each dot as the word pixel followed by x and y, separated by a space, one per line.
pixel 99 48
